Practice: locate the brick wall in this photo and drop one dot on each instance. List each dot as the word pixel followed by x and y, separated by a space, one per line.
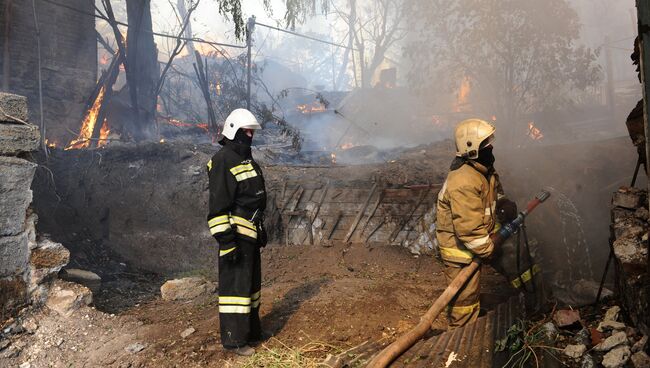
pixel 68 57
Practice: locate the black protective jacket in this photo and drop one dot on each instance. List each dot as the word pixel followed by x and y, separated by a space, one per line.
pixel 237 195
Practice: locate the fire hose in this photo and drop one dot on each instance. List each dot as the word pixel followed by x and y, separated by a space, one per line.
pixel 404 342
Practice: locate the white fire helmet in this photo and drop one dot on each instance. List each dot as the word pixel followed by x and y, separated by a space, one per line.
pixel 239 119
pixel 471 135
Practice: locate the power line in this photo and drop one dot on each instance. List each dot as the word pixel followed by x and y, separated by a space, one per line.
pixel 305 36
pixel 194 39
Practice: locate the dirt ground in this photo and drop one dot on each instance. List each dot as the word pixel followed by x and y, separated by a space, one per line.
pixel 328 298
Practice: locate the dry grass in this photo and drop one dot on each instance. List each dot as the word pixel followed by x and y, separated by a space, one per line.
pixel 309 355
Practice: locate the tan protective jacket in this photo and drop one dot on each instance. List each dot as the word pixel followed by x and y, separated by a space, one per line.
pixel 466 213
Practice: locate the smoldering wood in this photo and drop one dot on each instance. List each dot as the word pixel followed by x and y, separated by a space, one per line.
pixel 109 79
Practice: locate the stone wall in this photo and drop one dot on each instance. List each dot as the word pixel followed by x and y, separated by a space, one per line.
pixel 68 58
pixel 630 244
pixel 27 264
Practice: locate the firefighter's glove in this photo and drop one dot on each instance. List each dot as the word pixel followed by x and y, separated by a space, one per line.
pixel 506 210
pixel 262 237
pixel 229 253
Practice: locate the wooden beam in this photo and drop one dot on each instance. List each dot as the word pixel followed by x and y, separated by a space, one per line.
pixel 335 224
pixel 401 225
pixel 372 213
pixel 360 214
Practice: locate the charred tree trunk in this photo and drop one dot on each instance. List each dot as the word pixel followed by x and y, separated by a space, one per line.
pixel 143 71
pixel 182 12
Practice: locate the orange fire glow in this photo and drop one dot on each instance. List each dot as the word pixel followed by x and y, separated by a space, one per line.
pixel 179 123
pixel 463 94
pixel 51 144
pixel 333 156
pixel 533 132
pixel 88 125
pixel 103 134
pixel 104 60
pixel 310 108
pixel 348 145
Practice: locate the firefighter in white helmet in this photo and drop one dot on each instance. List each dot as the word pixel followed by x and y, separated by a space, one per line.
pixel 236 206
pixel 467 213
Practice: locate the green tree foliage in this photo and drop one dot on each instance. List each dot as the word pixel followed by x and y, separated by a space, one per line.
pixel 297 12
pixel 520 56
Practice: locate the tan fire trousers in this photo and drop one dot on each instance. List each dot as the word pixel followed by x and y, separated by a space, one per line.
pixel 465 307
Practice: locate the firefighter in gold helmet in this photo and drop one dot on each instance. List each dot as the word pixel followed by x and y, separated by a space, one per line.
pixel 467 213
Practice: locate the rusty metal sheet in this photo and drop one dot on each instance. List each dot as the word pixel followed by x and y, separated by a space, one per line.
pixel 471 346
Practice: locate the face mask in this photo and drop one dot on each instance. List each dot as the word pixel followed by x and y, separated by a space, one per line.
pixel 486 157
pixel 242 138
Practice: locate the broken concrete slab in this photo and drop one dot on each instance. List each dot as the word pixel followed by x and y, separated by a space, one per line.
pixel 617 338
pixel 18 138
pixel 187 288
pixel 631 251
pixel 13 108
pixel 67 297
pixel 14 254
pixel 86 278
pixel 640 359
pixel 628 197
pixel 610 325
pixel 575 351
pixel 15 196
pixel 612 313
pixel 617 357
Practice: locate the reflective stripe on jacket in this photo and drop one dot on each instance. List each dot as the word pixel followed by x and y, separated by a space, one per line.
pixel 466 213
pixel 237 195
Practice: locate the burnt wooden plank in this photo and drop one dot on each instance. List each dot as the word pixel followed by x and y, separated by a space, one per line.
pixel 360 214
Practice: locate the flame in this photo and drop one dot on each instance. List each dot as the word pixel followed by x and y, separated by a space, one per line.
pixel 333 156
pixel 463 94
pixel 88 125
pixel 50 144
pixel 179 123
pixel 310 108
pixel 217 88
pixel 103 134
pixel 533 132
pixel 347 146
pixel 162 140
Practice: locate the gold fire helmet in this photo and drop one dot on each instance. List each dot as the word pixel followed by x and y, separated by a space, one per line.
pixel 471 135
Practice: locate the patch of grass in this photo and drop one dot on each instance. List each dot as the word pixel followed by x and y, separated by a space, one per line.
pixel 309 355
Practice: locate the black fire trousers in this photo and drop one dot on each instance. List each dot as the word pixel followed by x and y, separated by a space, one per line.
pixel 240 284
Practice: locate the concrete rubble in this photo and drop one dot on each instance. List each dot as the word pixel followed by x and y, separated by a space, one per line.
pixel 187 288
pixel 66 297
pixel 629 234
pixel 600 339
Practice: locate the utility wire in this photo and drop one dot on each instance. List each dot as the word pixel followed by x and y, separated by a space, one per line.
pixel 194 39
pixel 305 36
